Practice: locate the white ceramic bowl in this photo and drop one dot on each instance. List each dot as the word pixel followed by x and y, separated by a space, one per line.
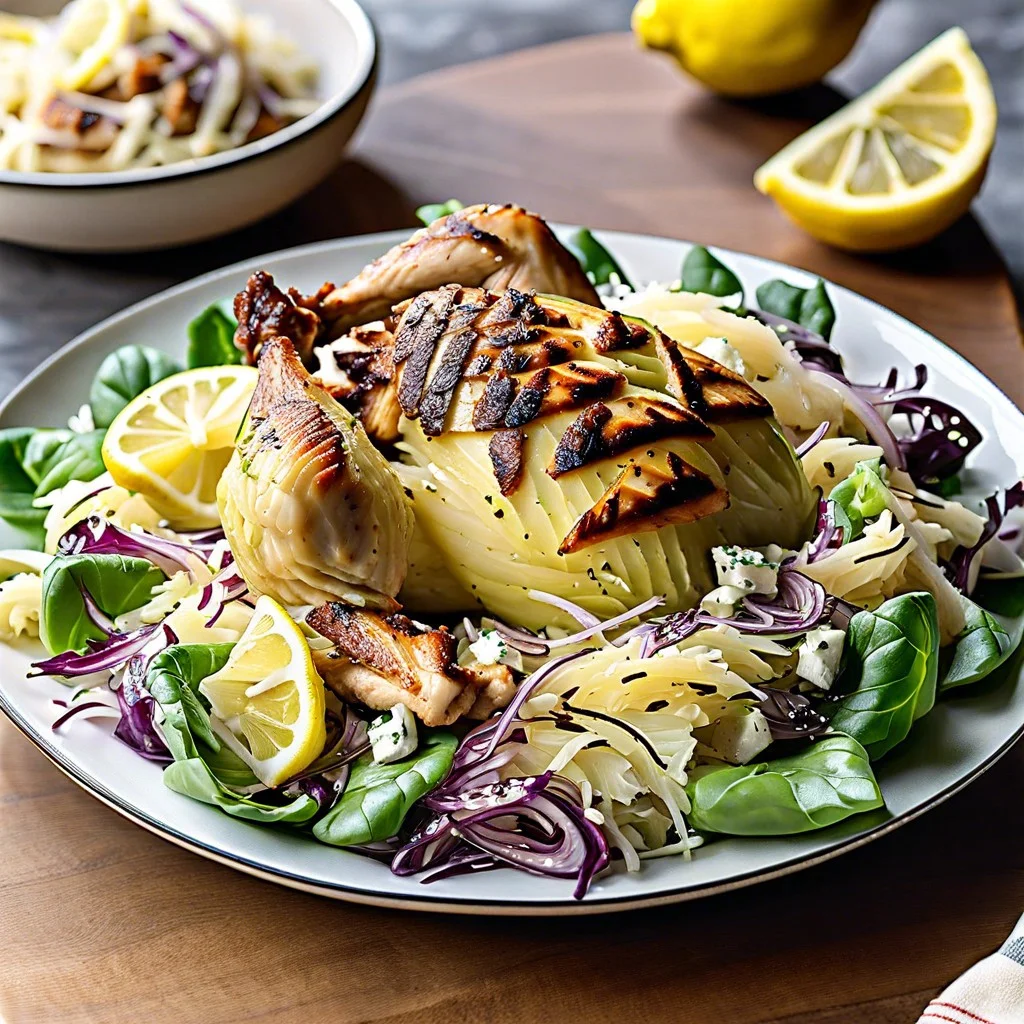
pixel 157 207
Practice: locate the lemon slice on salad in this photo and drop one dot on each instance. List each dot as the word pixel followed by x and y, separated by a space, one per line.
pixel 18 30
pixel 172 442
pixel 900 163
pixel 93 31
pixel 269 697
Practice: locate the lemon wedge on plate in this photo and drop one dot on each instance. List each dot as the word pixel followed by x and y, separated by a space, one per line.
pixel 172 442
pixel 93 31
pixel 269 697
pixel 900 163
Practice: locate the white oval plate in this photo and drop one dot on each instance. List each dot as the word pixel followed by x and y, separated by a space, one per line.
pixel 947 749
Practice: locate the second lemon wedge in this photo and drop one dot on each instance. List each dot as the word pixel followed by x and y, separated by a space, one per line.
pixel 900 163
pixel 172 442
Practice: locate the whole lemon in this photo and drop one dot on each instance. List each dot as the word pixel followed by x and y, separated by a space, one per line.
pixel 752 47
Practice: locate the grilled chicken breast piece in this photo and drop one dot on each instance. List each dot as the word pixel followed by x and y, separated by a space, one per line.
pixel 381 661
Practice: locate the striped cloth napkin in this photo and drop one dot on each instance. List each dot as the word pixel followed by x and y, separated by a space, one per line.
pixel 991 992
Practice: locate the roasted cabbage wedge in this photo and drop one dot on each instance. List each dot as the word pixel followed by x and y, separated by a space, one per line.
pixel 312 511
pixel 568 449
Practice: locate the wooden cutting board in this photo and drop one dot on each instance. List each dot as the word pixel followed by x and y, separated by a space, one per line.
pixel 102 922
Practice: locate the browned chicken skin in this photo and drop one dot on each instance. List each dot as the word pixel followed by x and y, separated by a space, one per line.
pixel 383 660
pixel 494 247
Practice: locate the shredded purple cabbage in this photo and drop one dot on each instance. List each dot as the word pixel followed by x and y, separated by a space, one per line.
pixel 227 586
pixel 800 604
pixel 102 656
pixel 536 824
pixel 939 440
pixel 98 536
pixel 790 715
pixel 137 727
pixel 959 567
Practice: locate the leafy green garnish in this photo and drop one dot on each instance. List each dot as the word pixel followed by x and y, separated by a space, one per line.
pixel 203 767
pixel 211 339
pixel 173 681
pixel 985 643
pixel 892 666
pixel 827 782
pixel 702 272
pixel 193 778
pixel 434 211
pixel 809 307
pixel 116 584
pixel 122 376
pixel 379 796
pixel 35 462
pixel 597 262
pixel 861 496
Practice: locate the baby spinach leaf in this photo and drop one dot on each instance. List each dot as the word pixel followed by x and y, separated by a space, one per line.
pixel 434 211
pixel 17 486
pixel 597 262
pixel 173 681
pixel 123 375
pixel 809 307
pixel 116 584
pixel 892 665
pixel 211 339
pixel 77 457
pixel 194 778
pixel 984 644
pixel 702 272
pixel 1002 597
pixel 379 796
pixel 825 783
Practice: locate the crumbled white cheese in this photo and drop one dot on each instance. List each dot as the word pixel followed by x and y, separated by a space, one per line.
pixel 393 736
pixel 722 352
pixel 738 739
pixel 722 601
pixel 747 570
pixel 819 655
pixel 489 648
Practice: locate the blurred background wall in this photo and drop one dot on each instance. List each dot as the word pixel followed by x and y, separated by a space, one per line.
pixel 421 35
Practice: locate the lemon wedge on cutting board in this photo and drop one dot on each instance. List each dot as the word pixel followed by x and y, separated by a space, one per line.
pixel 269 697
pixel 172 442
pixel 900 163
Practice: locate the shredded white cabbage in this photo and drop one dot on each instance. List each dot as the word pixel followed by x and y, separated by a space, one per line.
pixel 20 602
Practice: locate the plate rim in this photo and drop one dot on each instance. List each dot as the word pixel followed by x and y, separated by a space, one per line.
pixel 470 905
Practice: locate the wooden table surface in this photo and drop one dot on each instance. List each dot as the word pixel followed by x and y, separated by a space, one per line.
pixel 102 922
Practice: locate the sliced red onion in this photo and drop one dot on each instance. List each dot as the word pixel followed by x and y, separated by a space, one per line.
pixel 536 824
pixel 201 82
pixel 828 536
pixel 227 586
pixel 98 536
pixel 813 439
pixel 137 727
pixel 97 616
pixel 186 58
pixel 106 656
pixel 800 604
pixel 517 637
pixel 959 566
pixel 75 710
pixel 878 430
pixel 581 615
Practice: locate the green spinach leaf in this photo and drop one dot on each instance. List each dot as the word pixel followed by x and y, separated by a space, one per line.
pixel 597 262
pixel 77 457
pixel 194 778
pixel 116 584
pixel 985 643
pixel 809 307
pixel 122 376
pixel 211 339
pixel 1002 597
pixel 17 487
pixel 379 796
pixel 825 783
pixel 173 681
pixel 434 211
pixel 702 272
pixel 892 666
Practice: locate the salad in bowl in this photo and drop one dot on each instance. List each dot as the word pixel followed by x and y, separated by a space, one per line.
pixel 491 557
